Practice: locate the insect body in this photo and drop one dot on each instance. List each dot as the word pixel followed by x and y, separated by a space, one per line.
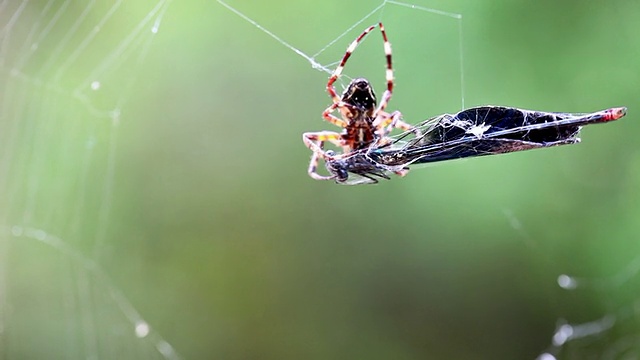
pixel 481 131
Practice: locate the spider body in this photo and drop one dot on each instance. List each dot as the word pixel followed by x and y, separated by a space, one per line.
pixel 360 104
pixel 364 122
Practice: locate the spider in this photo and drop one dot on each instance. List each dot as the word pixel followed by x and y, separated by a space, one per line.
pixel 364 124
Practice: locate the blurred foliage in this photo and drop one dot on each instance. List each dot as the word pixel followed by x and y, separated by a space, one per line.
pixel 223 243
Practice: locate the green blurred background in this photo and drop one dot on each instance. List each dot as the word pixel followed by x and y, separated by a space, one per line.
pixel 195 204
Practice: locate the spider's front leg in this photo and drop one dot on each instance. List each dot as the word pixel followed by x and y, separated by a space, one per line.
pixel 386 122
pixel 315 142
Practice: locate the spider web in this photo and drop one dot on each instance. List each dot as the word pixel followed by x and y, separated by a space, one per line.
pixel 452 24
pixel 611 336
pixel 67 70
pixel 69 74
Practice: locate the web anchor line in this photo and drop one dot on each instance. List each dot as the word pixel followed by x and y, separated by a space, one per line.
pixel 311 59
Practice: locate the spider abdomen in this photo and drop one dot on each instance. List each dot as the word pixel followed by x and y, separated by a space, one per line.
pixel 359 134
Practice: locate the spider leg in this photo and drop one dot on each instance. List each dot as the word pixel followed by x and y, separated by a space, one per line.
pixel 386 96
pixel 402 172
pixel 385 123
pixel 338 71
pixel 315 141
pixel 326 114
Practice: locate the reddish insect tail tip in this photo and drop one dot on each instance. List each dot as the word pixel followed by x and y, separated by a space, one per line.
pixel 615 113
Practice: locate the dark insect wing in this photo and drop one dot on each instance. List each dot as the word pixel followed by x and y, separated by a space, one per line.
pixel 491 130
